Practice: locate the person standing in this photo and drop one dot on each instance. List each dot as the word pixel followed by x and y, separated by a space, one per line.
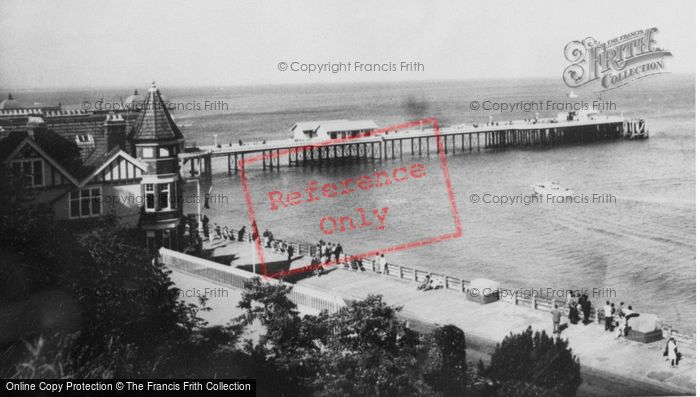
pixel 612 316
pixel 586 309
pixel 673 352
pixel 556 319
pixel 607 312
pixel 573 312
pixel 375 264
pixel 241 232
pixel 621 311
pixel 338 252
pixel 382 264
pixel 329 252
pixel 290 252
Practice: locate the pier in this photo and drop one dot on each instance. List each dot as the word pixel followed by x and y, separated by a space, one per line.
pixel 414 142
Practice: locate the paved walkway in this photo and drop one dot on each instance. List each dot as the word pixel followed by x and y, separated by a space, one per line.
pixel 599 351
pixel 223 301
pixel 596 349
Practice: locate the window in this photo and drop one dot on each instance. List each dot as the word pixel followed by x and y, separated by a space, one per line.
pixel 159 197
pixel 164 152
pixel 150 197
pixel 147 153
pixel 86 203
pixel 164 196
pixel 32 169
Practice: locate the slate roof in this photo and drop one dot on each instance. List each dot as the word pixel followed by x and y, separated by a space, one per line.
pixel 154 122
pixel 62 151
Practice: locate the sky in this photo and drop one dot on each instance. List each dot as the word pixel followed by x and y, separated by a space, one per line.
pixel 75 43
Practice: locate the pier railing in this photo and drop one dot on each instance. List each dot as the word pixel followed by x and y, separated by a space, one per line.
pixel 233 277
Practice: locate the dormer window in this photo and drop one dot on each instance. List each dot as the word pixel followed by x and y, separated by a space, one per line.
pixel 84 139
pixel 164 152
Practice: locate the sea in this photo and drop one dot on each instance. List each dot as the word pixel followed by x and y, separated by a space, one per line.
pixel 635 245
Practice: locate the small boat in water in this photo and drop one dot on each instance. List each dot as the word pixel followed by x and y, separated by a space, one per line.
pixel 552 189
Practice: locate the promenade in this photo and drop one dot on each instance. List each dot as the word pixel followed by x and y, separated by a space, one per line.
pixel 634 368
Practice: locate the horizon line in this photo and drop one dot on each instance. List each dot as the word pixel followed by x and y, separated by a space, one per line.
pixel 339 83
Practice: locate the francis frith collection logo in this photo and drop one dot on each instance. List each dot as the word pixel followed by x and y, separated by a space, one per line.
pixel 616 62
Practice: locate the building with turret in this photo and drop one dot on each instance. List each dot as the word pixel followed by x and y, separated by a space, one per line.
pixel 84 166
pixel 156 141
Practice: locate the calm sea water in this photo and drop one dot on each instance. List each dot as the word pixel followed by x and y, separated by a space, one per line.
pixel 642 246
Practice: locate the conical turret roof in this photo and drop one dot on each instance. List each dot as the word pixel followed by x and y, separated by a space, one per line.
pixel 154 122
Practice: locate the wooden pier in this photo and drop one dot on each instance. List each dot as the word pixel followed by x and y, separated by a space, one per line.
pixel 414 142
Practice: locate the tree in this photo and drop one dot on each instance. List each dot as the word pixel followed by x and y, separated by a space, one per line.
pixel 363 349
pixel 367 350
pixel 124 314
pixel 535 360
pixel 445 367
pixel 279 355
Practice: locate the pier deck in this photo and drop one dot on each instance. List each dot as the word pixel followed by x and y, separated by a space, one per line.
pixel 414 141
pixel 602 356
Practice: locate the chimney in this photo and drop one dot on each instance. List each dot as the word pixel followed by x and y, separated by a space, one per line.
pixel 115 131
pixel 34 123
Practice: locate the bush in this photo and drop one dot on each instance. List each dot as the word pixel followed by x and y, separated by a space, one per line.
pixel 445 368
pixel 538 360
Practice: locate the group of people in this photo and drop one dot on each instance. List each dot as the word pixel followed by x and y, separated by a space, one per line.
pixel 671 352
pixel 353 263
pixel 224 233
pixel 428 283
pixel 616 319
pixel 579 306
pixel 324 253
pixel 379 264
pixel 328 251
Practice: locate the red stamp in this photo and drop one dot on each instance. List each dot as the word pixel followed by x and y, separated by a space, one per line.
pixel 375 203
